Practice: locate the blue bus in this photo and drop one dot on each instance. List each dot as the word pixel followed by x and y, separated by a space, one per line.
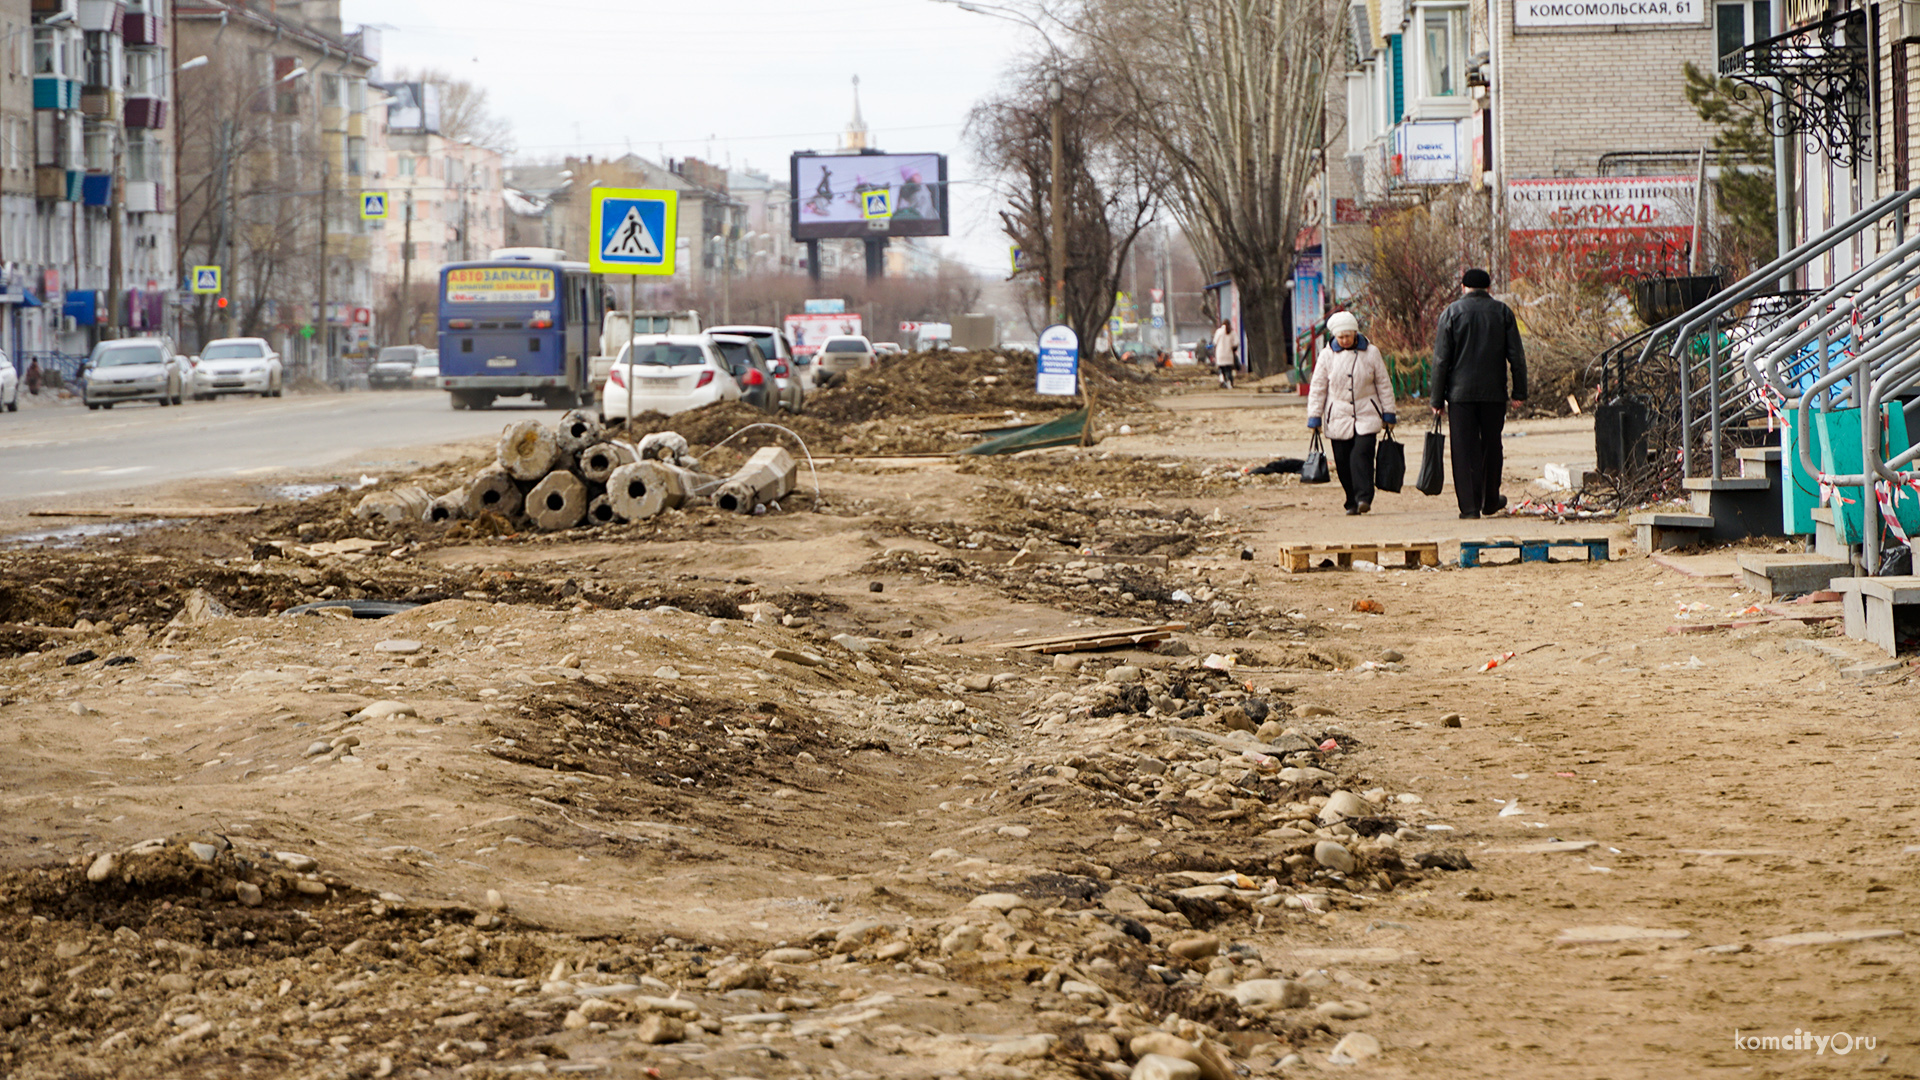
pixel 519 323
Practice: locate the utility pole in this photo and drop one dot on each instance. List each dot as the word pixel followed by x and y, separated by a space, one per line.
pixel 322 331
pixel 1057 240
pixel 114 238
pixel 229 278
pixel 406 273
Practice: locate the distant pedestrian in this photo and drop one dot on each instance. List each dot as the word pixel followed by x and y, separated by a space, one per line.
pixel 33 376
pixel 1476 346
pixel 1350 400
pixel 1225 353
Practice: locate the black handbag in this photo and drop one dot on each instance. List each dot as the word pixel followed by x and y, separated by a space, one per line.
pixel 1389 463
pixel 1314 470
pixel 1433 470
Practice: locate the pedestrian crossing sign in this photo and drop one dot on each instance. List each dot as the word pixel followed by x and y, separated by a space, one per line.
pixel 373 205
pixel 877 203
pixel 632 230
pixel 206 280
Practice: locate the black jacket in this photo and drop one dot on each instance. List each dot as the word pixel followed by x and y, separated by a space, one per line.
pixel 1477 341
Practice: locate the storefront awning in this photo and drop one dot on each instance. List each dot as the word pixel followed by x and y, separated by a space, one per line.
pixel 1822 72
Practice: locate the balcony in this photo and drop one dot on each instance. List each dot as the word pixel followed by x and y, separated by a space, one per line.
pixel 107 16
pixel 98 102
pixel 54 182
pixel 146 112
pixel 143 196
pixel 142 30
pixel 54 92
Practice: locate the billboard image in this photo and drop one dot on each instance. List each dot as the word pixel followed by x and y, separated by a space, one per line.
pixel 829 195
pixel 808 332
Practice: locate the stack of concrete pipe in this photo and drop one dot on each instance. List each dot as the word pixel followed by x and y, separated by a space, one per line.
pixel 561 478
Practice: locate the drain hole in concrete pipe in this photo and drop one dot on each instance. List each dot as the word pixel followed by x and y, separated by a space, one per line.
pixel 597 462
pixel 489 497
pixel 438 513
pixel 556 501
pixel 603 513
pixel 636 489
pixel 729 503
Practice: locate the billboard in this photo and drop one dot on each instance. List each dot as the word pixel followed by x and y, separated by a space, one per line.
pixel 808 332
pixel 834 195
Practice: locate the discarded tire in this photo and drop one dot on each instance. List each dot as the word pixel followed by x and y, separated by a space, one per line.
pixel 493 491
pixel 557 502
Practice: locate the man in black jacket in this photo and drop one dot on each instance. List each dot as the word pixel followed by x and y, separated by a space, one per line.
pixel 1478 341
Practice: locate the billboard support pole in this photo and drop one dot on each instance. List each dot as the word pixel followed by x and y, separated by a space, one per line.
pixel 813 260
pixel 876 258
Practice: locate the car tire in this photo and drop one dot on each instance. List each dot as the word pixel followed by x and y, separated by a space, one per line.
pixel 93 405
pixel 106 404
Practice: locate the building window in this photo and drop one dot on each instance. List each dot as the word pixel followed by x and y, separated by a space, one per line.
pixel 406 165
pixel 1443 52
pixel 99 149
pixel 1739 24
pixel 146 74
pixel 356 157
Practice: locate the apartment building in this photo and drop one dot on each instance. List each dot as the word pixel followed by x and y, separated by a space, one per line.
pixel 279 138
pixel 446 204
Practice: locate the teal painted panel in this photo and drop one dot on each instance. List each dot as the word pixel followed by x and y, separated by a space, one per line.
pixel 1837 433
pixel 1800 494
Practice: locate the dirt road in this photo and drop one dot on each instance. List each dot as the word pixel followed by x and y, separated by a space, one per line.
pixel 775 796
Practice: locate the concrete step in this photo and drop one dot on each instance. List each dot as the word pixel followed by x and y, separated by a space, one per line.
pixel 1769 454
pixel 1826 536
pixel 1881 610
pixel 1741 506
pixel 1790 575
pixel 1726 483
pixel 1661 530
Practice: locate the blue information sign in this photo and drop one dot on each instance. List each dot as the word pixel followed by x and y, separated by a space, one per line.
pixel 1059 366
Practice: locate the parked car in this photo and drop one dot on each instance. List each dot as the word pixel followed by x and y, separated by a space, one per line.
pixel 237 366
pixel 750 369
pixel 839 355
pixel 888 348
pixel 793 371
pixel 134 369
pixel 667 373
pixel 393 368
pixel 9 385
pixel 426 373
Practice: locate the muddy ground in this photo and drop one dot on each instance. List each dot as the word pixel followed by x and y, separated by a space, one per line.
pixel 721 796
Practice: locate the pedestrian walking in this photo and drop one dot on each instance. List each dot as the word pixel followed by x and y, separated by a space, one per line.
pixel 1225 353
pixel 33 376
pixel 1475 348
pixel 1350 401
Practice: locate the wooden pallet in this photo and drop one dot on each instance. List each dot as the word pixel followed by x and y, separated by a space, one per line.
pixel 1296 558
pixel 1532 550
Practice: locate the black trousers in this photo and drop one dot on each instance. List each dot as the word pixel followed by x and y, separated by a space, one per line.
pixel 1353 460
pixel 1477 456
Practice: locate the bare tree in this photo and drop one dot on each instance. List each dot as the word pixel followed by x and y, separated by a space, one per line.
pixel 1111 186
pixel 464 111
pixel 1233 93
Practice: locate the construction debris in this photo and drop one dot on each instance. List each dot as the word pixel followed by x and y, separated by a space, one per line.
pixel 494 492
pixel 767 476
pixel 578 430
pixel 642 489
pixel 395 505
pixel 558 501
pixel 1096 640
pixel 529 450
pixel 598 461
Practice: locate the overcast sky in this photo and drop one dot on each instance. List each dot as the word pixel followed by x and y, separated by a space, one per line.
pixel 737 82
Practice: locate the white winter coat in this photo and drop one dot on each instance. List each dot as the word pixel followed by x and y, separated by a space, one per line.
pixel 1351 391
pixel 1224 347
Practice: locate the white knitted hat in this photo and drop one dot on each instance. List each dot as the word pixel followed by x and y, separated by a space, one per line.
pixel 1343 322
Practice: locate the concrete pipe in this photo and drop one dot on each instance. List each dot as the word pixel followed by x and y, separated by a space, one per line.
pixel 528 450
pixel 493 491
pixel 667 446
pixel 449 507
pixel 642 489
pixel 598 461
pixel 557 502
pixel 579 429
pixel 600 511
pixel 396 505
pixel 768 475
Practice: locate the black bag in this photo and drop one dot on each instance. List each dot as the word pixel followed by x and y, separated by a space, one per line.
pixel 1314 470
pixel 1389 463
pixel 1433 470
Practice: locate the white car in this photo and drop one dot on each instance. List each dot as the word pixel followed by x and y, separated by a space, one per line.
pixel 9 385
pixel 426 373
pixel 133 369
pixel 244 365
pixel 840 355
pixel 666 373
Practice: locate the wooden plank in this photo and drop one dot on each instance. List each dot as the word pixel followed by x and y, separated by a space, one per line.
pixel 1298 558
pixel 1089 635
pixel 146 511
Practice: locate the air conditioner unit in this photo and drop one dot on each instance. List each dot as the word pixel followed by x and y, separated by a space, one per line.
pixel 69 324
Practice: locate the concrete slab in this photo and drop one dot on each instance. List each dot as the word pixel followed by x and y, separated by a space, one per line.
pixel 1790 575
pixel 1608 935
pixel 1832 937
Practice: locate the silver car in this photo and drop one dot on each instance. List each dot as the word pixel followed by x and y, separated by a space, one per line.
pixel 133 369
pixel 238 366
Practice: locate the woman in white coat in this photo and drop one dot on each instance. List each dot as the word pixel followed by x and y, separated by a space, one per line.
pixel 1350 401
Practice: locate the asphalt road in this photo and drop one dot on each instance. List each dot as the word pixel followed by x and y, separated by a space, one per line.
pixel 53 452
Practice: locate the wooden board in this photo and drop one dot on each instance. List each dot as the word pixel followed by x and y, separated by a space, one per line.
pixel 1298 558
pixel 1093 640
